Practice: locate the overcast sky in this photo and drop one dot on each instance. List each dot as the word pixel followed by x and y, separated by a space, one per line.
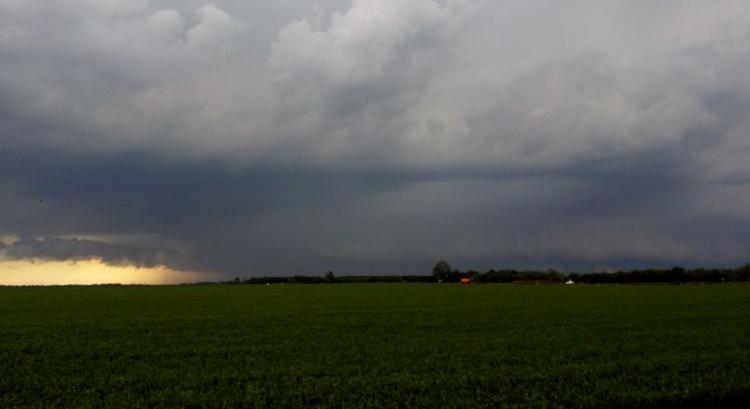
pixel 374 136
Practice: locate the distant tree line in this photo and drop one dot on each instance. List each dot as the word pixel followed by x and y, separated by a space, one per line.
pixel 442 272
pixel 331 279
pixel 673 275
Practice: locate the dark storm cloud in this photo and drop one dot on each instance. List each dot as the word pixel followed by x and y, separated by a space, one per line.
pixel 375 136
pixel 83 249
pixel 207 212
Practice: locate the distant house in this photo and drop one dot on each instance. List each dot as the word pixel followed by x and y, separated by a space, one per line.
pixel 465 280
pixel 569 282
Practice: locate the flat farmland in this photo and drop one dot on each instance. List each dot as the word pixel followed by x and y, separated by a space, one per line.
pixel 379 345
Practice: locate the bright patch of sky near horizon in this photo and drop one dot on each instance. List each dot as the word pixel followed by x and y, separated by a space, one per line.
pixel 24 272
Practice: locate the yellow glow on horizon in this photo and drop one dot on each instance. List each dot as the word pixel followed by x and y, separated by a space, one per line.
pixel 24 272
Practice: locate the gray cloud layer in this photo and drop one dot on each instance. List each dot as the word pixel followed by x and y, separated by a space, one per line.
pixel 375 136
pixel 83 249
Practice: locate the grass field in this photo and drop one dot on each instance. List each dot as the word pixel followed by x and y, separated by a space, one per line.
pixel 387 345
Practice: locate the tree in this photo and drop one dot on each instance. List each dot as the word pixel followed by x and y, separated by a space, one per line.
pixel 441 270
pixel 330 277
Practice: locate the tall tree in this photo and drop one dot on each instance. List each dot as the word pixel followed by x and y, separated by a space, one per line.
pixel 441 270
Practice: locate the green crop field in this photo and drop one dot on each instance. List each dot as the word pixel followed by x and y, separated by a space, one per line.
pixel 387 345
